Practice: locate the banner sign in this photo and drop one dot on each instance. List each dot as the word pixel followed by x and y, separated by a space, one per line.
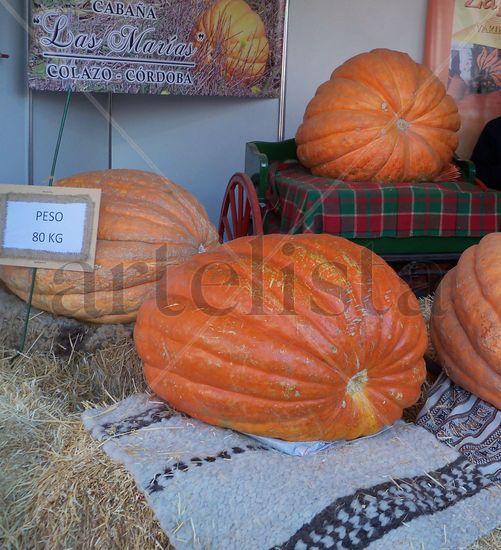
pixel 187 47
pixel 463 46
pixel 49 227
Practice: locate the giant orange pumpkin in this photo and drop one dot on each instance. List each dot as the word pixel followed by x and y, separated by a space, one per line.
pixel 146 223
pixel 466 320
pixel 235 36
pixel 298 337
pixel 381 117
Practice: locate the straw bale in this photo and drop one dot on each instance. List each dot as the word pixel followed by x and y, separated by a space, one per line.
pixel 426 304
pixel 51 333
pixel 58 489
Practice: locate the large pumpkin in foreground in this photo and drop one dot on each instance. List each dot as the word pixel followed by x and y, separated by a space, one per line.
pixel 146 223
pixel 381 117
pixel 466 320
pixel 235 36
pixel 285 336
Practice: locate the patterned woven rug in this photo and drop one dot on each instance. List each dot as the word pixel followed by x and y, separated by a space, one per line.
pixel 215 489
pixel 463 421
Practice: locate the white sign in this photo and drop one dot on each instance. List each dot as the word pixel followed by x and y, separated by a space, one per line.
pixel 48 227
pixel 45 226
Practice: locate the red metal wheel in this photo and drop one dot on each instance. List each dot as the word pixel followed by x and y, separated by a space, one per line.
pixel 240 213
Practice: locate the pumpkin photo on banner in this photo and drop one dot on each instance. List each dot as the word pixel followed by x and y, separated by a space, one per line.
pixel 232 35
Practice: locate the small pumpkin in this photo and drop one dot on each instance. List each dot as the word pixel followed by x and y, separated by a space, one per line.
pixel 235 36
pixel 146 223
pixel 466 320
pixel 285 336
pixel 381 117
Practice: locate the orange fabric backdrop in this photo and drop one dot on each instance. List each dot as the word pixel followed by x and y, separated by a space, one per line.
pixel 463 48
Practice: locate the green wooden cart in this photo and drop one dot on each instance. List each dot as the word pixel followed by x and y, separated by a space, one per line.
pixel 245 209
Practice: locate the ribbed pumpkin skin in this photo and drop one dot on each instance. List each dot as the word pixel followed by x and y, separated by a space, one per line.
pixel 381 117
pixel 466 320
pixel 302 376
pixel 235 32
pixel 140 212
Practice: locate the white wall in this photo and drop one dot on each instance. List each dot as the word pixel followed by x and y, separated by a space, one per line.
pixel 85 143
pixel 85 140
pixel 197 142
pixel 13 95
pixel 325 33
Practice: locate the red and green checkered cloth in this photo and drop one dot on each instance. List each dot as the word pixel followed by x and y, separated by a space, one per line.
pixel 305 203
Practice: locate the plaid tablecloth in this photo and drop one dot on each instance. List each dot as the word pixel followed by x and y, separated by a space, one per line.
pixel 304 203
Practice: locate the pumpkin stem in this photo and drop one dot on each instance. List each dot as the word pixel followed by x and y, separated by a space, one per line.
pixel 357 383
pixel 402 124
